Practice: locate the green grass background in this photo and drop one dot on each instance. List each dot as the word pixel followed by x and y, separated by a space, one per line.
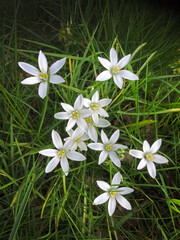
pixel 35 205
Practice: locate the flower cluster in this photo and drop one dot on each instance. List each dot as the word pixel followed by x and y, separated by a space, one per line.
pixel 86 116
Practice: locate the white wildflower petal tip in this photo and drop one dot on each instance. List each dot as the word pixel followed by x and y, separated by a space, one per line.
pixel 101 199
pixel 52 164
pixel 103 185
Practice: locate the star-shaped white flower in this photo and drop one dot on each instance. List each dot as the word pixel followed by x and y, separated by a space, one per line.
pixel 75 114
pixel 148 157
pixel 113 194
pixel 76 139
pixel 43 75
pixel 96 106
pixel 108 148
pixel 60 155
pixel 114 69
pixel 91 130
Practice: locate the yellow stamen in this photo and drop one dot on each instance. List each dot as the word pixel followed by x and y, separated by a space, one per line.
pixel 44 75
pixel 150 157
pixel 78 139
pixel 75 115
pixel 109 147
pixel 61 153
pixel 95 107
pixel 113 194
pixel 116 69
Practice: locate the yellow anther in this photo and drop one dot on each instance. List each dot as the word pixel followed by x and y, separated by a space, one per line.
pixel 44 75
pixel 109 147
pixel 95 107
pixel 89 120
pixel 78 139
pixel 116 69
pixel 61 153
pixel 150 157
pixel 75 115
pixel 113 194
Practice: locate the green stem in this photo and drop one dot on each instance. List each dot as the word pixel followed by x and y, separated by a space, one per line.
pixel 110 170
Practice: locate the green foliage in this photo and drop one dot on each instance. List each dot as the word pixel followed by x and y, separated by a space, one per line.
pixel 35 205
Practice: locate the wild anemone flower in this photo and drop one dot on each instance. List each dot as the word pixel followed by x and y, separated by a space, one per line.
pixel 148 157
pixel 96 106
pixel 108 148
pixel 114 69
pixel 60 155
pixel 75 114
pixel 43 75
pixel 113 194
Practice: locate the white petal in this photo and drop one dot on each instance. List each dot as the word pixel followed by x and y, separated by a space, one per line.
pixel 29 68
pixel 69 143
pixel 75 156
pixel 55 67
pixel 118 81
pixel 92 134
pixel 95 118
pixel 56 139
pixel 151 169
pixel 77 133
pixel 49 152
pixel 105 75
pixel 123 202
pixel 102 157
pixel 156 145
pixel 104 138
pixel 70 124
pixel 61 115
pixel 128 75
pixel 52 164
pixel 124 61
pixel 106 63
pixel 114 158
pixel 42 61
pixel 56 79
pixel 87 102
pixel 113 56
pixel 116 179
pixel 103 185
pixel 101 199
pixel 111 206
pixel 96 146
pixel 68 108
pixel 114 137
pixel 78 104
pixel 42 90
pixel 95 97
pixel 146 146
pixel 104 102
pixel 160 159
pixel 82 124
pixel 85 113
pixel 103 123
pixel 31 80
pixel 136 153
pixel 82 146
pixel 125 190
pixel 65 165
pixel 103 113
pixel 142 164
pixel 118 146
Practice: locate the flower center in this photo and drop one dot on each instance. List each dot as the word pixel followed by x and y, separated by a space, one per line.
pixel 75 115
pixel 150 157
pixel 44 75
pixel 113 194
pixel 109 147
pixel 61 154
pixel 89 121
pixel 95 107
pixel 116 69
pixel 78 139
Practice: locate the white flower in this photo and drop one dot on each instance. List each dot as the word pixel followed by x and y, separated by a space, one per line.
pixel 96 106
pixel 60 155
pixel 114 69
pixel 148 157
pixel 43 75
pixel 108 148
pixel 76 139
pixel 113 194
pixel 91 131
pixel 75 114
